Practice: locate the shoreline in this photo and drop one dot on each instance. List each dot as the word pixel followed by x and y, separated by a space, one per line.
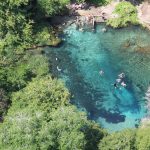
pixel 144 14
pixel 101 14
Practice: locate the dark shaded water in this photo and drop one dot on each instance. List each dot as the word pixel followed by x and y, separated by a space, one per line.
pixel 84 54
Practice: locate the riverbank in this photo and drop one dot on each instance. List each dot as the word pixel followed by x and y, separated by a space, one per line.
pixel 143 11
pixel 144 14
pixel 102 14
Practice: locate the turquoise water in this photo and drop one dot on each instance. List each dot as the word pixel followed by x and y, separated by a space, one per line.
pixel 83 55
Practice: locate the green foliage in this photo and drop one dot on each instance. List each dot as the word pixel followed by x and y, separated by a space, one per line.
pixel 3 77
pixel 47 92
pixel 40 116
pixel 125 13
pixel 93 134
pixel 29 130
pixel 20 130
pixel 52 7
pixel 15 29
pixel 99 2
pixel 80 1
pixel 65 129
pixel 44 36
pixel 3 102
pixel 17 76
pixel 143 139
pixel 16 3
pixel 123 140
pixel 38 65
pixel 38 119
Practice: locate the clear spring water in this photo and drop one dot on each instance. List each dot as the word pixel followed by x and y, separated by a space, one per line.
pixel 84 54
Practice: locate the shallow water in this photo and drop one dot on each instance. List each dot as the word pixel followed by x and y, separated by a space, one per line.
pixel 84 54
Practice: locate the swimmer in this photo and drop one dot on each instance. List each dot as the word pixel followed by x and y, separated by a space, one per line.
pixel 115 85
pixel 81 29
pixel 58 68
pixel 56 58
pixel 101 72
pixel 121 75
pixel 104 30
pixel 123 84
pixel 118 80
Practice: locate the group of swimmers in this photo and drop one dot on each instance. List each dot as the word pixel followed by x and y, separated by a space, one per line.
pixel 119 80
pixel 58 69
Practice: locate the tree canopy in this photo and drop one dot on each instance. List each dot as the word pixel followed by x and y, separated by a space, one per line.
pixel 125 14
pixel 52 7
pixel 123 140
pixel 27 129
pixel 35 108
pixel 45 92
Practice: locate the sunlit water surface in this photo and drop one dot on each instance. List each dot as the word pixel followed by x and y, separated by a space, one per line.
pixel 84 54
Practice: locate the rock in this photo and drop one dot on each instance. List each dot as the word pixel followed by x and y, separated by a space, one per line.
pixel 54 42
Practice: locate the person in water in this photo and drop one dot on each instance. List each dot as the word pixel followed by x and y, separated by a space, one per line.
pixel 101 72
pixel 121 75
pixel 58 69
pixel 115 85
pixel 123 84
pixel 118 80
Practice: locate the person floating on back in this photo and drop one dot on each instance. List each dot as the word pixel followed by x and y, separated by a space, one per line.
pixel 115 85
pixel 101 72
pixel 121 75
pixel 58 69
pixel 123 84
pixel 118 80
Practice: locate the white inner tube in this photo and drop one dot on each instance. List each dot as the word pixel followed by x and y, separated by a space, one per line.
pixel 58 68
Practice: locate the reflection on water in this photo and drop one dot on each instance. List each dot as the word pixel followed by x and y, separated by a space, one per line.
pixel 84 54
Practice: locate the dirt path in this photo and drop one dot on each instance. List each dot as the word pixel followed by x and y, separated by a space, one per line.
pixel 103 13
pixel 144 14
pixel 99 11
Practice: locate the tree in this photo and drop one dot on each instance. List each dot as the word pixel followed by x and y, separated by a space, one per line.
pixel 16 76
pixel 52 7
pixel 123 140
pixel 143 139
pixel 47 92
pixel 125 13
pixel 14 25
pixel 29 129
pixel 4 102
pixel 65 128
pixel 15 30
pixel 38 65
pixel 93 135
pixel 42 118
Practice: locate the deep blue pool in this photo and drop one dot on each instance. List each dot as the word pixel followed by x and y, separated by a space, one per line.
pixel 81 57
